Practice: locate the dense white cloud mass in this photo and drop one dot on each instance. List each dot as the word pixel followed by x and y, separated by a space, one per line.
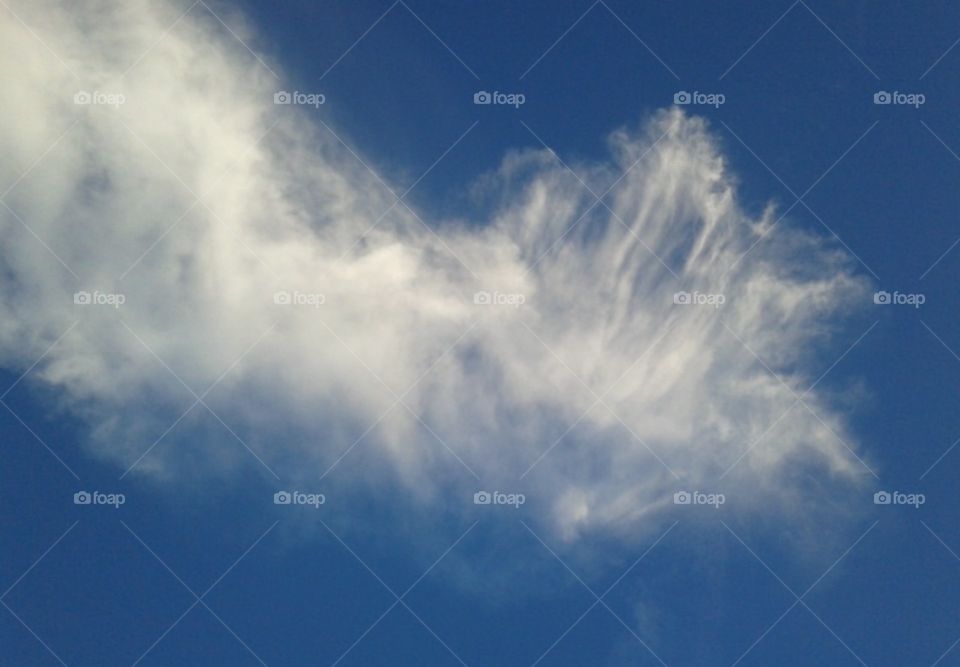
pixel 663 396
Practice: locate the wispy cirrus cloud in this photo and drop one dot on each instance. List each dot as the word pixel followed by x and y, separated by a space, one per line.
pixel 599 355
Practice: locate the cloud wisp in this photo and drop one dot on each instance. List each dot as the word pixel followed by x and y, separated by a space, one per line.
pixel 599 339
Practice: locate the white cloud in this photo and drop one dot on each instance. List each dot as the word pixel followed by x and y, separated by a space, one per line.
pixel 283 207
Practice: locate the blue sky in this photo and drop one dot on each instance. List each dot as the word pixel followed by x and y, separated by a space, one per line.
pixel 398 565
